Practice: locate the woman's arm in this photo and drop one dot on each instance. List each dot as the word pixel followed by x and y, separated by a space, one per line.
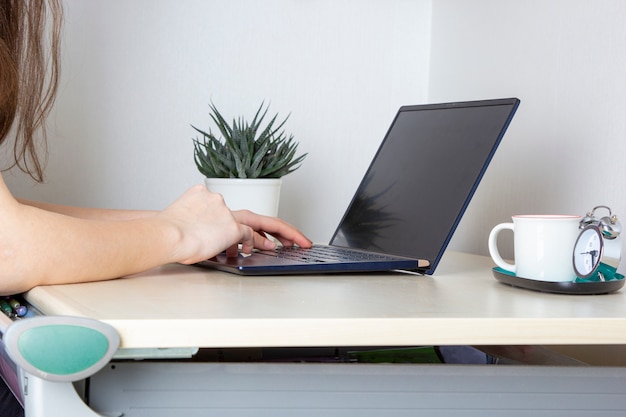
pixel 40 247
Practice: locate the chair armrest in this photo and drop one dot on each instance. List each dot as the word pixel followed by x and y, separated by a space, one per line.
pixel 61 348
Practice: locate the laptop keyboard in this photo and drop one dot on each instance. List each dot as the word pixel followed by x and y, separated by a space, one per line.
pixel 323 254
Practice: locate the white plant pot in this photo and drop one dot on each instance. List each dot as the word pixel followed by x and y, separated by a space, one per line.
pixel 260 195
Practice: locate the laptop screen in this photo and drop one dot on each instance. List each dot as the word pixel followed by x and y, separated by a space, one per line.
pixel 423 177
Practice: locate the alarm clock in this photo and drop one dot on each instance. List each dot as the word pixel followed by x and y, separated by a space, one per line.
pixel 596 235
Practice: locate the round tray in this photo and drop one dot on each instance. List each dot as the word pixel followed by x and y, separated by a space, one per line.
pixel 575 288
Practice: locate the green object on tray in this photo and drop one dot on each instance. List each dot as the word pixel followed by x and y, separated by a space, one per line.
pixel 608 272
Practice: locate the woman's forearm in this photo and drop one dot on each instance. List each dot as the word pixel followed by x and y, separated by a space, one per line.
pixel 41 247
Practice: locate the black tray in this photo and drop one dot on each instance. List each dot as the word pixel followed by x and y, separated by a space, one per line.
pixel 576 288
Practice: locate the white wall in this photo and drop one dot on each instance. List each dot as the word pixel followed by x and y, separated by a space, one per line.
pixel 137 73
pixel 565 60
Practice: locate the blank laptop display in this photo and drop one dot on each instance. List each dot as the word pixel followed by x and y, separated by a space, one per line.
pixel 410 200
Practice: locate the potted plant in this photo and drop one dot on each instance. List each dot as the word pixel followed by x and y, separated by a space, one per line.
pixel 247 162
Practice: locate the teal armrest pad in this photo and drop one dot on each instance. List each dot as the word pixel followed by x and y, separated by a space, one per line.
pixel 61 348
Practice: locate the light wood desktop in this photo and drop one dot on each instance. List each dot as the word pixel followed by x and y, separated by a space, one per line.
pixel 183 306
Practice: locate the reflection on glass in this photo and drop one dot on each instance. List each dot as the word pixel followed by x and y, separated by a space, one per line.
pixel 372 217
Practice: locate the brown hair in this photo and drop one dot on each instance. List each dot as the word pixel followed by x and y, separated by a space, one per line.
pixel 29 76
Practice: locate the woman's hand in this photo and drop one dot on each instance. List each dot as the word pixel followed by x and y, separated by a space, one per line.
pixel 207 227
pixel 260 225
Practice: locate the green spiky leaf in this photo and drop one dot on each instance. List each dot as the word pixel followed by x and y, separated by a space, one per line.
pixel 245 149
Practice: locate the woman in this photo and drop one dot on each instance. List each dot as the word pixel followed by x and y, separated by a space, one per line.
pixel 38 239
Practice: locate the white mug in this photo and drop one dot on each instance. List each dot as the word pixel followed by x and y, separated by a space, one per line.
pixel 542 246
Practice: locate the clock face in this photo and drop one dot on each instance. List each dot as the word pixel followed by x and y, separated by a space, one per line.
pixel 588 251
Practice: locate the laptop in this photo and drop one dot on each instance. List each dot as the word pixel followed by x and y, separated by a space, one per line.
pixel 410 200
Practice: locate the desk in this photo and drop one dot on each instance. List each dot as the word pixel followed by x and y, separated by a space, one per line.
pixel 188 307
pixel 181 306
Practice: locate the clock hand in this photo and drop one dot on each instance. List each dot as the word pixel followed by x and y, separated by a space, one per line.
pixel 593 254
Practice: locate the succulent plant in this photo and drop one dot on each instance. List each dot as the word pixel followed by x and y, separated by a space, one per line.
pixel 245 149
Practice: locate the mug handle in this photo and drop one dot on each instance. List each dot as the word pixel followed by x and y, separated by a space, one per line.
pixel 493 247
